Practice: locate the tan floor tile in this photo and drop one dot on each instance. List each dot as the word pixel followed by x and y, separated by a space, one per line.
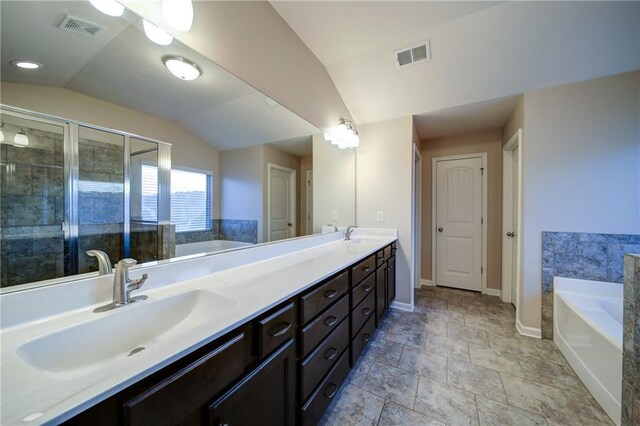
pixel 495 413
pixel 397 415
pixel 467 334
pixel 392 383
pixel 588 410
pixel 450 348
pixel 502 361
pixel 552 374
pixel 446 404
pixel 424 363
pixel 473 378
pixel 353 406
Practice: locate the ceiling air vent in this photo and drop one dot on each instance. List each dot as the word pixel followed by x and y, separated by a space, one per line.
pixel 80 26
pixel 413 54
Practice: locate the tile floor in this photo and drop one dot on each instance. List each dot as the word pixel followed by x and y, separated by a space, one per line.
pixel 458 360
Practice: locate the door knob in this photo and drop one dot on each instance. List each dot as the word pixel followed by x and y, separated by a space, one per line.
pixel 289 224
pixel 510 234
pixel 440 229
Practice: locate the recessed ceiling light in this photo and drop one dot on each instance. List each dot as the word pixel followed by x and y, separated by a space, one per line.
pixel 178 13
pixel 108 7
pixel 182 68
pixel 156 34
pixel 27 65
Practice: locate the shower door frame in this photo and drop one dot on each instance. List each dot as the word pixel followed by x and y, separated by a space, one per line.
pixel 71 176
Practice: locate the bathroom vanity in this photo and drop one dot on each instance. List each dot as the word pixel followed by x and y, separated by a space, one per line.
pixel 272 346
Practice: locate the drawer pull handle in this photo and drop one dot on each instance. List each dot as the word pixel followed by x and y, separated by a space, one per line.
pixel 367 288
pixel 280 330
pixel 330 294
pixel 329 321
pixel 366 311
pixel 366 268
pixel 366 337
pixel 331 390
pixel 331 353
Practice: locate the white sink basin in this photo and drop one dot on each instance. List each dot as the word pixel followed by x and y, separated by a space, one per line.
pixel 121 332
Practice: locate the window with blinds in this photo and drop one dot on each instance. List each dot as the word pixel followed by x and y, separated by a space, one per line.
pixel 191 198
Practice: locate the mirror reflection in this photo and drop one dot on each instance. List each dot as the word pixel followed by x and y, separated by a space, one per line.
pixel 114 143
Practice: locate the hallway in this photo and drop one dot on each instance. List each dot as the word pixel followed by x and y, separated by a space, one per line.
pixel 458 360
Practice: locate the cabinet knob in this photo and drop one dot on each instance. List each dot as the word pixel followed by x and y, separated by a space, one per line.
pixel 440 229
pixel 329 321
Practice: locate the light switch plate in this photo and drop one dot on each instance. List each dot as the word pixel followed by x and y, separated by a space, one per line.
pixel 334 215
pixel 380 216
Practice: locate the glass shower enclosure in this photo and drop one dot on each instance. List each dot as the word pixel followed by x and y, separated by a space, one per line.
pixel 68 187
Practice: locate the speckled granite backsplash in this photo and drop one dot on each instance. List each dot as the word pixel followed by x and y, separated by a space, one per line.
pixel 597 257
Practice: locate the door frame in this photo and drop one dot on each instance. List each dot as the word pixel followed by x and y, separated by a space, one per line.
pixel 434 201
pixel 507 213
pixel 292 198
pixel 416 217
pixel 309 203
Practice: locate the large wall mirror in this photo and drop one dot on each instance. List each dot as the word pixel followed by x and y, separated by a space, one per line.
pixel 103 148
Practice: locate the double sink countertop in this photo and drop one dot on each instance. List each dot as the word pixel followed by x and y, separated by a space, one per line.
pixel 55 367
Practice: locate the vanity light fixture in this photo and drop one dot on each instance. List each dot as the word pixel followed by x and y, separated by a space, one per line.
pixel 26 65
pixel 156 34
pixel 21 139
pixel 178 13
pixel 182 68
pixel 345 136
pixel 108 7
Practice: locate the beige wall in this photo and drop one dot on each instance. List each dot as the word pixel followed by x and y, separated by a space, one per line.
pixel 486 141
pixel 384 183
pixel 252 41
pixel 515 122
pixel 581 169
pixel 275 156
pixel 306 164
pixel 187 149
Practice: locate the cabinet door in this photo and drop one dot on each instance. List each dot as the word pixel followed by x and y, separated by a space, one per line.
pixel 266 396
pixel 381 292
pixel 391 280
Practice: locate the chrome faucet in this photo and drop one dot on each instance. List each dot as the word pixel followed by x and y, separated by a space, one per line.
pixel 348 231
pixel 123 286
pixel 104 263
pixel 335 228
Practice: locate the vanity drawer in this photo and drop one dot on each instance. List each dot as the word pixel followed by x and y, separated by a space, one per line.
pixel 380 258
pixel 319 328
pixel 314 302
pixel 363 289
pixel 176 397
pixel 388 252
pixel 315 407
pixel 362 312
pixel 362 338
pixel 320 361
pixel 275 329
pixel 363 269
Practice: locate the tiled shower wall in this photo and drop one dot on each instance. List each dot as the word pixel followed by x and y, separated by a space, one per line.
pixel 631 342
pixel 31 208
pixel 597 257
pixel 245 231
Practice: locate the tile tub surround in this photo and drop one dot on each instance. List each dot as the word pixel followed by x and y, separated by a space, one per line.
pixel 256 279
pixel 597 257
pixel 443 364
pixel 631 342
pixel 245 231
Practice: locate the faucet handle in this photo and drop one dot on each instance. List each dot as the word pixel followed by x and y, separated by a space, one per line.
pixel 136 284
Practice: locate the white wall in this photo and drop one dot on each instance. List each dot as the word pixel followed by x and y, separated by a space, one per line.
pixel 384 183
pixel 334 184
pixel 581 168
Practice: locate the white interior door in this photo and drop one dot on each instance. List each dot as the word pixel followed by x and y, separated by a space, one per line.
pixel 281 208
pixel 458 223
pixel 514 235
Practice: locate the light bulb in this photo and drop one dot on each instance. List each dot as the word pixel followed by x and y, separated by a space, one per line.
pixel 156 34
pixel 108 7
pixel 343 144
pixel 21 139
pixel 327 137
pixel 182 68
pixel 178 13
pixel 26 65
pixel 341 130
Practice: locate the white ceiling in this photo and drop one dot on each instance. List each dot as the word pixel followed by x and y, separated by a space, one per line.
pixel 297 146
pixel 465 118
pixel 122 66
pixel 480 50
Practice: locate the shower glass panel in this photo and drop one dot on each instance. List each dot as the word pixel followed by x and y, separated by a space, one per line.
pixel 143 178
pixel 32 200
pixel 101 198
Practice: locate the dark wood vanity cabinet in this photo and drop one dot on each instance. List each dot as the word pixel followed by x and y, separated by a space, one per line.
pixel 282 368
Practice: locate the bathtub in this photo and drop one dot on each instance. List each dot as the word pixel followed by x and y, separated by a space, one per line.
pixel 587 324
pixel 207 247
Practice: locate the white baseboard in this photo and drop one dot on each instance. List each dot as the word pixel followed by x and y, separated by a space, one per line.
pixel 494 292
pixel 528 331
pixel 402 306
pixel 427 283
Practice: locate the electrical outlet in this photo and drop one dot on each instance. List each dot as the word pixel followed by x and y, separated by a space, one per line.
pixel 334 215
pixel 380 216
